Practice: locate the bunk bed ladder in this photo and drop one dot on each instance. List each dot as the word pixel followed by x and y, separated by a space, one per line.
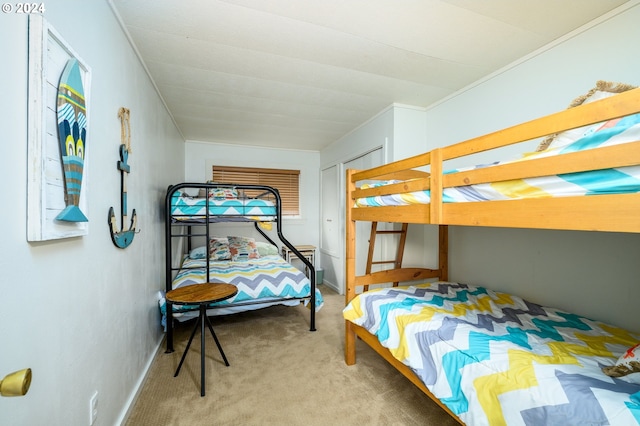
pixel 397 262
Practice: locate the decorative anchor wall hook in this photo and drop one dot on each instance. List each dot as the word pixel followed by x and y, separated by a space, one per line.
pixel 123 238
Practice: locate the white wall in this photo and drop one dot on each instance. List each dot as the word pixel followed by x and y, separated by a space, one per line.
pixel 372 134
pixel 399 129
pixel 594 274
pixel 80 312
pixel 409 132
pixel 200 156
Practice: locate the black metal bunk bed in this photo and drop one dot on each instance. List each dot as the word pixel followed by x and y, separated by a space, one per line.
pixel 198 226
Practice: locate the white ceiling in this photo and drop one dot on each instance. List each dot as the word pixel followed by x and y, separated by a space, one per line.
pixel 302 73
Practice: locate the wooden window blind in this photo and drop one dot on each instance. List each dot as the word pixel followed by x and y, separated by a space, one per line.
pixel 286 181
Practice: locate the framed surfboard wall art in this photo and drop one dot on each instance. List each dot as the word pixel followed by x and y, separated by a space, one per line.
pixel 59 141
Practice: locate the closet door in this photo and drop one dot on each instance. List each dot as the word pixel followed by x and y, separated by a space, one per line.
pixel 330 244
pixel 332 239
pixel 330 211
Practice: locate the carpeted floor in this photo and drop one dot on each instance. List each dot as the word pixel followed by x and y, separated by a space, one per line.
pixel 280 374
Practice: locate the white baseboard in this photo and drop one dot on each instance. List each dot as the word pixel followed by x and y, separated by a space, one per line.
pixel 332 286
pixel 124 414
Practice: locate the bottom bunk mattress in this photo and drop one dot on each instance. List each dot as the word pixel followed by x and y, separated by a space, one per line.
pixel 496 359
pixel 261 282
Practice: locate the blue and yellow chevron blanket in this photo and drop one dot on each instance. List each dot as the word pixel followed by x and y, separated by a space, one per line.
pixel 496 359
pixel 184 207
pixel 264 279
pixel 605 181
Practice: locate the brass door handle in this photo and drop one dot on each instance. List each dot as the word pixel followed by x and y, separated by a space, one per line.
pixel 16 383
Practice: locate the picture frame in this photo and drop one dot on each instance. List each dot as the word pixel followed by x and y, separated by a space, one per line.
pixel 48 55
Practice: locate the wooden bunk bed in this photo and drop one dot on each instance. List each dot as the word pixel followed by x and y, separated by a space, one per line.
pixel 196 253
pixel 425 193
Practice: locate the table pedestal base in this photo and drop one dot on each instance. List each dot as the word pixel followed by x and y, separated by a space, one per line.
pixel 202 318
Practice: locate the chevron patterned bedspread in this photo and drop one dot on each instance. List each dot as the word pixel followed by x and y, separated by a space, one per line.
pixel 192 208
pixel 266 278
pixel 606 181
pixel 496 359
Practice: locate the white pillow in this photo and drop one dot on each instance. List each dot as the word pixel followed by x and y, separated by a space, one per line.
pixel 266 249
pixel 198 253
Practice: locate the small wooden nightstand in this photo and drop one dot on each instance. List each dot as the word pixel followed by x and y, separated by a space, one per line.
pixel 307 251
pixel 202 295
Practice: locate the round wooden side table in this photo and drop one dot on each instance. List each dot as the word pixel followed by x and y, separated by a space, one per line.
pixel 202 295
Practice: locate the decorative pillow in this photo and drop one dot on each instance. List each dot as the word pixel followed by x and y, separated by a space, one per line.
pixel 266 249
pixel 243 248
pixel 223 193
pixel 603 89
pixel 198 253
pixel 628 363
pixel 219 248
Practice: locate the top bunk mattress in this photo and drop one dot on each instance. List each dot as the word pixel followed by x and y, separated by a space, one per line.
pixel 188 208
pixel 605 181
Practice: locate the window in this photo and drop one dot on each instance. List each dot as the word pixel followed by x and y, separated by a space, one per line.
pixel 286 181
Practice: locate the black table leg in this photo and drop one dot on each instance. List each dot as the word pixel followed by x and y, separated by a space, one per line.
pixel 203 315
pixel 216 339
pixel 193 333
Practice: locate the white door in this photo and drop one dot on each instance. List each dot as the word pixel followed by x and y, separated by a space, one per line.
pixel 330 211
pixel 333 217
pixel 330 226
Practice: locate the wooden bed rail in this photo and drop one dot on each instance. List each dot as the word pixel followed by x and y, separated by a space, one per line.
pixel 620 105
pixel 610 213
pixel 395 275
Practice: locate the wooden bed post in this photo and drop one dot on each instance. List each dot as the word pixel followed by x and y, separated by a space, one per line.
pixel 443 252
pixel 350 290
pixel 435 205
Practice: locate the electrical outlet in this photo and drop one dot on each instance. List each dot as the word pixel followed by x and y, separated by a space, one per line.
pixel 93 408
